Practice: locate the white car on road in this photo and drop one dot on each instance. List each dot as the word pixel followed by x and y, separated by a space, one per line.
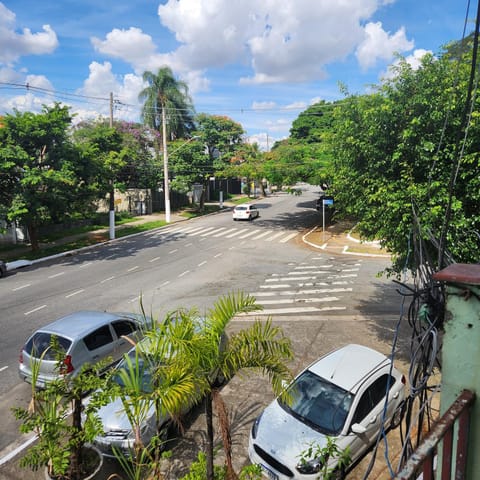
pixel 247 211
pixel 342 396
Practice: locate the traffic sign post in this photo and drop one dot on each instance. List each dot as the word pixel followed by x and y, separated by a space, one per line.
pixel 325 201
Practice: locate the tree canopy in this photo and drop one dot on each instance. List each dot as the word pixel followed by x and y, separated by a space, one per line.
pixel 45 178
pixel 403 154
pixel 167 104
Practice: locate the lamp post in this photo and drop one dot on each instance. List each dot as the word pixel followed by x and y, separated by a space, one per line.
pixel 165 173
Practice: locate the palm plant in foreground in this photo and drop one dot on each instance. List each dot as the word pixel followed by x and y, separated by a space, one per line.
pixel 260 348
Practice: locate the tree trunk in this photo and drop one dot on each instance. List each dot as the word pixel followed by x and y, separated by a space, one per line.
pixel 209 446
pixel 76 453
pixel 224 423
pixel 33 236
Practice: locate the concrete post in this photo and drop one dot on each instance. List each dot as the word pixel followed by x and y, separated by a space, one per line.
pixel 461 349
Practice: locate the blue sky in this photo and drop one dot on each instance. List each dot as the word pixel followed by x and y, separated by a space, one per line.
pixel 260 62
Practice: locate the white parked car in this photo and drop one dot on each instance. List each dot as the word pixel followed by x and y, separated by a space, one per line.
pixel 342 396
pixel 247 211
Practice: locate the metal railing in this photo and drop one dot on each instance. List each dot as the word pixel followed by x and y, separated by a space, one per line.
pixel 422 461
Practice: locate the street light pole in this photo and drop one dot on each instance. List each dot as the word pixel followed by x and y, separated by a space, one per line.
pixel 165 167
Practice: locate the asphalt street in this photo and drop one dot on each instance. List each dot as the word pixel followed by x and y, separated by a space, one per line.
pixel 321 294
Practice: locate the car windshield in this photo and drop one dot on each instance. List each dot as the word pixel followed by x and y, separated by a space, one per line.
pixel 318 403
pixel 145 376
pixel 47 346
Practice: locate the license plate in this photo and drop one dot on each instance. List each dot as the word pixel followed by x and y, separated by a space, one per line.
pixel 270 474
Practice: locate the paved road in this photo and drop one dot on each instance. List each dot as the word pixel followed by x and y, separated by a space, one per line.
pixel 320 298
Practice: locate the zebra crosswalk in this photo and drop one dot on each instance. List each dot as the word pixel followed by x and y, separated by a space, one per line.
pixel 307 289
pixel 236 233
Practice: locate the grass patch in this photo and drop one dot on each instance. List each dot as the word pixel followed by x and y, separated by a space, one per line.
pixel 240 200
pixel 194 212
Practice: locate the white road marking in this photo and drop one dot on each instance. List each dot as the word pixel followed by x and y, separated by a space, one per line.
pixel 280 311
pixel 232 234
pixel 57 275
pixel 288 237
pixel 299 300
pixel 21 287
pixel 273 237
pixel 74 293
pixel 264 234
pixel 173 251
pixel 34 310
pixel 133 268
pixel 249 234
pixel 184 273
pixel 165 283
pixel 224 233
pixel 218 255
pixel 3 368
pixel 213 231
pixel 107 279
pixel 285 285
pixel 203 230
pixel 154 259
pixel 86 265
pixel 303 292
pixel 202 263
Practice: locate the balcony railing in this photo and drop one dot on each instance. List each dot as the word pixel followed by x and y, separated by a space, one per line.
pixel 422 460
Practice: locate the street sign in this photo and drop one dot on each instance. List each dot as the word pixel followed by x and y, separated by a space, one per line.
pixel 328 201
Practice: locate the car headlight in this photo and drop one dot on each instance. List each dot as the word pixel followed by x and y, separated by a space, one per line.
pixel 309 467
pixel 255 426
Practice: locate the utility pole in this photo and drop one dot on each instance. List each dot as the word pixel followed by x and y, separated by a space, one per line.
pixel 111 213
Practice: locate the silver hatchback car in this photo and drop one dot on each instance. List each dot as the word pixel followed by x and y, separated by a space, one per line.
pixel 85 337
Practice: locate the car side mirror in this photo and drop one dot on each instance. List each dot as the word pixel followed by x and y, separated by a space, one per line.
pixel 358 429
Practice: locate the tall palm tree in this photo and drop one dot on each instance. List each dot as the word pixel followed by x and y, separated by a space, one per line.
pixel 167 105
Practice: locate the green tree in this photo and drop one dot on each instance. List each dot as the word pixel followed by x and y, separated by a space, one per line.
pixel 221 138
pixel 102 144
pixel 248 163
pixel 44 177
pixel 407 163
pixel 189 164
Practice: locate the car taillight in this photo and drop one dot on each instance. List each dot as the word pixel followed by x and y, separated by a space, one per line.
pixel 67 366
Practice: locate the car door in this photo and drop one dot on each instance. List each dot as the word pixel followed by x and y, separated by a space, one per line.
pixel 369 414
pixel 100 344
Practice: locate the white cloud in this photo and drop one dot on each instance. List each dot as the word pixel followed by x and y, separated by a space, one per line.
pixel 296 106
pixel 283 42
pixel 131 45
pixel 39 81
pixel 380 45
pixel 414 60
pixel 280 42
pixel 263 105
pixel 15 45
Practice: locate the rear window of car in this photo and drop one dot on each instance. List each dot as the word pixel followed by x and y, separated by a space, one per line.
pixel 100 337
pixel 40 345
pixel 124 327
pixel 240 208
